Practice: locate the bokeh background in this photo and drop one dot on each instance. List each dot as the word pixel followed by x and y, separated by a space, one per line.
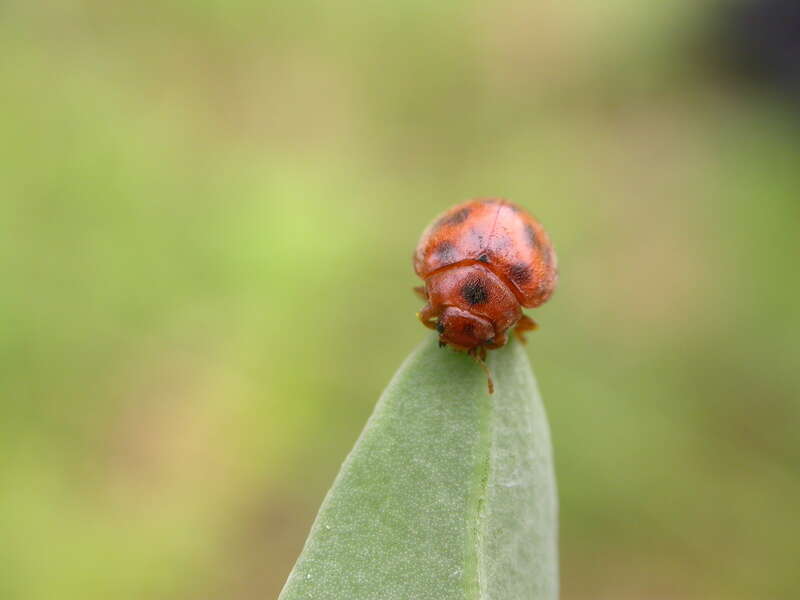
pixel 207 214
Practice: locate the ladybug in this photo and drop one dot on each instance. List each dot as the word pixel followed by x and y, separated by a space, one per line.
pixel 482 262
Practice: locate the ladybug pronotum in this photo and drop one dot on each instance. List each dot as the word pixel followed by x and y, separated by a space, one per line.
pixel 482 262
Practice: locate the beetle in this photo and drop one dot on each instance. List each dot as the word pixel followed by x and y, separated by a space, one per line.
pixel 482 262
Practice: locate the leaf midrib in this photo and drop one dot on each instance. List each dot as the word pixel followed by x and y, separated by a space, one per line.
pixel 480 481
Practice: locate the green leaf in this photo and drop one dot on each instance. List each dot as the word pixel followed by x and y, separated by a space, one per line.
pixel 449 492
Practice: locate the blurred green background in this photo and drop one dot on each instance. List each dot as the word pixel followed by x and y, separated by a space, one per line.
pixel 207 214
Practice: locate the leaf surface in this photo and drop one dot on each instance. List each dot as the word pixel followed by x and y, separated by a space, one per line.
pixel 448 494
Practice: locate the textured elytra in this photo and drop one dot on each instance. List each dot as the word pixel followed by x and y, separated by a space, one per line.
pixel 501 235
pixel 449 494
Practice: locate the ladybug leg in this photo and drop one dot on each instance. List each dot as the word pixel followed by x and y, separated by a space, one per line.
pixel 497 341
pixel 420 291
pixel 427 316
pixel 479 354
pixel 525 324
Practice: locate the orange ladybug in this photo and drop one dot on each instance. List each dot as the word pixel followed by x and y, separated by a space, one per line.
pixel 482 262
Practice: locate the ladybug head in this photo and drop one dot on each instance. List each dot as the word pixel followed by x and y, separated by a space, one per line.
pixel 462 329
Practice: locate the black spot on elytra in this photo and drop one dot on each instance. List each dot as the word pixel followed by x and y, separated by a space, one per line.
pixel 456 218
pixel 440 327
pixel 474 292
pixel 530 236
pixel 520 273
pixel 468 330
pixel 445 251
